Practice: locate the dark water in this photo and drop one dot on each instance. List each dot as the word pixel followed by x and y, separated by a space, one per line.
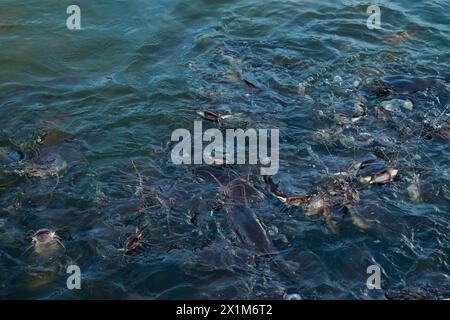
pixel 114 91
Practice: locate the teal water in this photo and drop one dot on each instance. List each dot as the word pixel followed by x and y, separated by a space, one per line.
pixel 113 92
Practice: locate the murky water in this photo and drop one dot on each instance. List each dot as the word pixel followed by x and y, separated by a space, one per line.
pixel 86 118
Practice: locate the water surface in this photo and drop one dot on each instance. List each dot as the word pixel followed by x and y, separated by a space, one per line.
pixel 114 91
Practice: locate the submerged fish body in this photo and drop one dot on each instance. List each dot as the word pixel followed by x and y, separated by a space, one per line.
pixel 207 172
pixel 384 176
pixel 9 156
pixel 248 227
pixel 315 206
pixel 408 84
pixel 212 116
pixel 250 80
pixel 14 154
pixel 49 165
pixel 357 219
pixel 252 232
pixel 241 191
pixel 432 130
